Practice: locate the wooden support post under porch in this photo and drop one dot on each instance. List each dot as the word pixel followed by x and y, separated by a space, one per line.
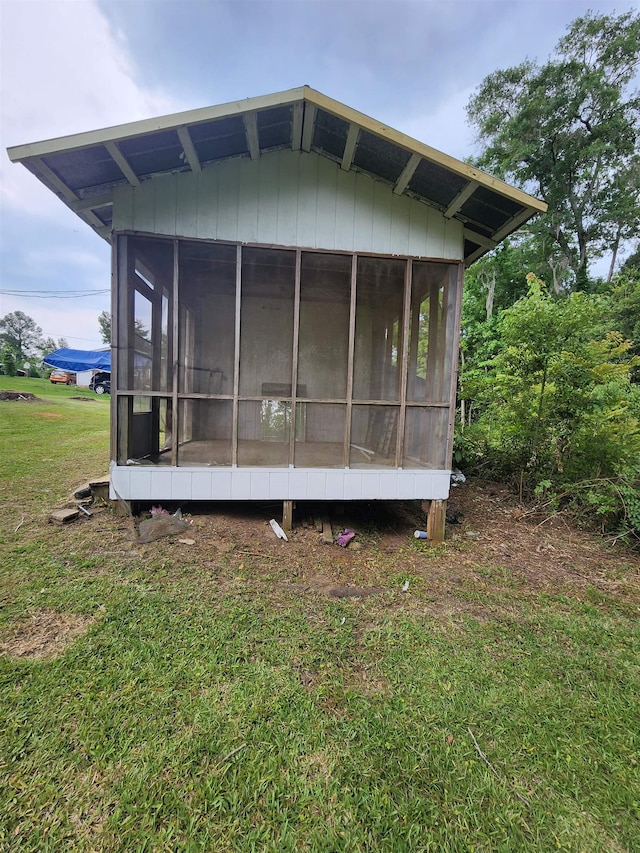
pixel 287 516
pixel 436 511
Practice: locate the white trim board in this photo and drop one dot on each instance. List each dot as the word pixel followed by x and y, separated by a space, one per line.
pixel 150 483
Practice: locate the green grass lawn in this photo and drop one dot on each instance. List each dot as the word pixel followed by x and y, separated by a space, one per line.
pixel 208 708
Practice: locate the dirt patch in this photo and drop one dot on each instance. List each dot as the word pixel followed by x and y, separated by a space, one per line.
pixel 491 544
pixel 23 396
pixel 45 635
pixel 51 416
pixel 84 399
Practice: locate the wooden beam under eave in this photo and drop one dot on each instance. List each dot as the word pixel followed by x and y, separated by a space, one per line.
pixel 473 257
pixel 122 163
pixel 308 125
pixel 250 121
pixel 479 239
pixel 513 223
pixel 406 174
pixel 189 151
pixel 91 203
pixel 350 147
pixel 463 196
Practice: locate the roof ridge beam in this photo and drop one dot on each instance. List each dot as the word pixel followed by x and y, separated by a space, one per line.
pixel 122 163
pixel 308 125
pixel 296 125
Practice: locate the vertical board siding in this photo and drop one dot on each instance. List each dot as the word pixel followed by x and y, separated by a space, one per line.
pixel 290 199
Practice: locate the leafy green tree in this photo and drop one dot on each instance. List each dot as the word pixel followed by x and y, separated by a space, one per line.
pixel 49 345
pixel 8 361
pixel 568 131
pixel 623 311
pixel 21 333
pixel 104 322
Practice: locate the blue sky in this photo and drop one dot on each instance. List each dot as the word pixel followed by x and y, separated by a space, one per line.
pixel 74 65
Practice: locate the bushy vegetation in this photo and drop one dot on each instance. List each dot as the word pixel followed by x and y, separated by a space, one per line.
pixel 550 399
pixel 551 406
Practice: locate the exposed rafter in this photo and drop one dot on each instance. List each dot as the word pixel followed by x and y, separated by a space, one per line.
pixel 91 203
pixel 406 174
pixel 250 121
pixel 463 196
pixel 189 151
pixel 123 163
pixel 480 239
pixel 350 147
pixel 68 194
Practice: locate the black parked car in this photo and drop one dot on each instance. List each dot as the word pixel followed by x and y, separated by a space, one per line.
pixel 101 382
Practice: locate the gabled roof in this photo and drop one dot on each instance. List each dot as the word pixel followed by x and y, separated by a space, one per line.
pixel 84 169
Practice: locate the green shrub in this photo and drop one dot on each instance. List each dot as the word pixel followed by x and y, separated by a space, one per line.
pixel 558 414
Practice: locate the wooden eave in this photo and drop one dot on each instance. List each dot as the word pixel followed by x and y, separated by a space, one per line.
pixel 84 169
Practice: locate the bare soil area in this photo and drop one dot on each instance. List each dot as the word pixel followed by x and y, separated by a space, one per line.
pixel 23 396
pixel 45 635
pixel 490 539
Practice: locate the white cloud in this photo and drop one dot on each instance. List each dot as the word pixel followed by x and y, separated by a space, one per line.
pixel 63 71
pixel 445 128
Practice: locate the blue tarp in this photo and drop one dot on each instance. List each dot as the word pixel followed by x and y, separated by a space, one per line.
pixel 77 360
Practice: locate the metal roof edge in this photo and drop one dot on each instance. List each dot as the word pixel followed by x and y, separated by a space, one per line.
pixel 17 153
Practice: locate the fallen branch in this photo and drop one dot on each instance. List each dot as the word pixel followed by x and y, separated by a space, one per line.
pixel 493 769
pixel 20 525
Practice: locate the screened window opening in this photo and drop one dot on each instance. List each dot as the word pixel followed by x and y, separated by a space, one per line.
pixel 207 310
pixel 374 436
pixel 323 352
pixel 431 332
pixel 259 357
pixel 379 328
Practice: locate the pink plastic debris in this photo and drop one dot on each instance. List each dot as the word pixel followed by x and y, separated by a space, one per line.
pixel 158 510
pixel 345 537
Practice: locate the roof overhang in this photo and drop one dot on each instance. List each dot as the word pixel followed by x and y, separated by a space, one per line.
pixel 84 169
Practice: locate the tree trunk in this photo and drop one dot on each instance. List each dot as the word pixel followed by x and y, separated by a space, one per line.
pixel 614 255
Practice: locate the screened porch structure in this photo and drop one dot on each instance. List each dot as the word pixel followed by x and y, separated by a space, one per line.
pixel 284 358
pixel 286 291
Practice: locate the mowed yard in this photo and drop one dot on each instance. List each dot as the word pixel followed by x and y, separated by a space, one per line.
pixel 226 691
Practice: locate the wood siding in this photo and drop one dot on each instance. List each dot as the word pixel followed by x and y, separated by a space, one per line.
pixel 289 199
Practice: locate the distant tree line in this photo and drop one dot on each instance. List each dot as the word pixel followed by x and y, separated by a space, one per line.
pixel 22 341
